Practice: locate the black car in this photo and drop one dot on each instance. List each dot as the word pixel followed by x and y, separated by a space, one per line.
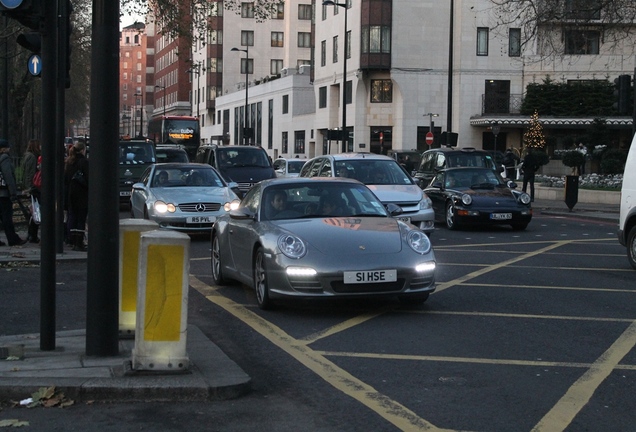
pixel 167 154
pixel 134 157
pixel 449 157
pixel 475 196
pixel 245 165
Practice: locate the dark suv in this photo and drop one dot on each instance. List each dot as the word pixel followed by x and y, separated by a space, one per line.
pixel 134 158
pixel 245 165
pixel 450 157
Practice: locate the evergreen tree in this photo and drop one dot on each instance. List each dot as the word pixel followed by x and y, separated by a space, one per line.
pixel 534 138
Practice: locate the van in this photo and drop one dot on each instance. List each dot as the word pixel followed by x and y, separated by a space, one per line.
pixel 627 217
pixel 245 165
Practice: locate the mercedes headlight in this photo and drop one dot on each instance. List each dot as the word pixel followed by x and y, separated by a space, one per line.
pixel 162 207
pixel 426 203
pixel 231 205
pixel 418 241
pixel 291 246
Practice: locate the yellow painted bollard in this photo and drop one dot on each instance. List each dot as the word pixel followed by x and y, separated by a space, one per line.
pixel 129 234
pixel 162 302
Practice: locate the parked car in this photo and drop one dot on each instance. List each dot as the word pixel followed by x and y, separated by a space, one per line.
pixel 437 159
pixel 288 167
pixel 384 176
pixel 472 196
pixel 627 216
pixel 134 157
pixel 307 249
pixel 245 165
pixel 183 197
pixel 166 154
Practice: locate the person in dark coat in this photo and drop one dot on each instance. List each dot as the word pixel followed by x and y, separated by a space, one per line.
pixel 31 165
pixel 530 167
pixel 8 194
pixel 76 196
pixel 510 162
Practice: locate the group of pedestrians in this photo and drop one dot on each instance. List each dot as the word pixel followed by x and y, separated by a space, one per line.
pixel 75 192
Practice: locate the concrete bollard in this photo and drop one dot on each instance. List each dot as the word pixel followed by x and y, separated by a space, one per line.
pixel 162 302
pixel 129 233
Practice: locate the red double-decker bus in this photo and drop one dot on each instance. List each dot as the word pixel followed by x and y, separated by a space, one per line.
pixel 178 130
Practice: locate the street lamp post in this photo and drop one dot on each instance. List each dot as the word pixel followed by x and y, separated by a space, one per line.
pixel 247 70
pixel 196 68
pixel 495 131
pixel 164 97
pixel 141 113
pixel 345 134
pixel 430 121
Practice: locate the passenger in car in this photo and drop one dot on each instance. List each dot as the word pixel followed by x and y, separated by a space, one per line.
pixel 161 179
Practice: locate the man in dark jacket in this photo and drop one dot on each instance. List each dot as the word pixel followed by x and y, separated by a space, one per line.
pixel 8 194
pixel 530 167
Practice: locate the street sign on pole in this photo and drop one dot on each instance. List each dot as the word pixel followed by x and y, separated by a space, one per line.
pixel 429 138
pixel 35 65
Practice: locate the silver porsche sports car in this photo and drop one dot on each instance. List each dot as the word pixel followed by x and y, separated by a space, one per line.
pixel 318 238
pixel 182 196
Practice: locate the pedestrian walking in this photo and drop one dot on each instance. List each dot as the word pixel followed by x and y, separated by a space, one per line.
pixel 30 167
pixel 583 150
pixel 8 195
pixel 530 167
pixel 76 195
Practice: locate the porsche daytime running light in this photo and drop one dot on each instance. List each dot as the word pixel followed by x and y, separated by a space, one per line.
pixel 162 207
pixel 426 267
pixel 524 198
pixel 418 241
pixel 301 271
pixel 291 246
pixel 467 199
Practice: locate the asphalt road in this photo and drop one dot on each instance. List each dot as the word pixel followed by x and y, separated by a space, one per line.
pixel 531 330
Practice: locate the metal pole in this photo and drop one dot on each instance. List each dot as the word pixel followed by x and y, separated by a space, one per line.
pixel 247 70
pixel 102 292
pixel 47 227
pixel 449 112
pixel 345 134
pixel 141 115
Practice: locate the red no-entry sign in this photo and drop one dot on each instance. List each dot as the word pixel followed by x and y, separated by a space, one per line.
pixel 429 138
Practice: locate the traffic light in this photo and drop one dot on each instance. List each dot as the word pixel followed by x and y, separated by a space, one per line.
pixel 29 13
pixel 622 89
pixel 31 41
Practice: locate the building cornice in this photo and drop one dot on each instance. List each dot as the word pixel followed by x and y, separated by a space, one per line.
pixel 551 122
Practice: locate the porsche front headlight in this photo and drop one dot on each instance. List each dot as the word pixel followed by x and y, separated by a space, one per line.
pixel 524 198
pixel 467 199
pixel 291 246
pixel 418 241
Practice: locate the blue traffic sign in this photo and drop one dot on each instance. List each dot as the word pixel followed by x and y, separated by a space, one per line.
pixel 11 4
pixel 35 65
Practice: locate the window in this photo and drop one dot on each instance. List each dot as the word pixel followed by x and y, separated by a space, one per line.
pixel 322 97
pixel 582 42
pixel 376 39
pixel 285 104
pixel 348 45
pixel 304 40
pixel 324 12
pixel 304 12
pixel 139 55
pixel 482 41
pixel 299 142
pixel 334 48
pixel 300 63
pixel 381 91
pixel 514 42
pixel 125 76
pixel 247 38
pixel 275 65
pixel 323 53
pixel 348 92
pixel 127 55
pixel 278 38
pixel 284 143
pixel 247 10
pixel 247 66
pixel 280 11
pixel 215 37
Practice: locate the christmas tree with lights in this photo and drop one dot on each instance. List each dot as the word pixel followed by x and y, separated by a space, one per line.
pixel 534 138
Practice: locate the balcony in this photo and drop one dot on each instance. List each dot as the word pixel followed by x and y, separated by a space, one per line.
pixel 501 104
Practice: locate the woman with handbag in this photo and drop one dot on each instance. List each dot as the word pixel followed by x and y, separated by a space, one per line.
pixel 31 183
pixel 76 196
